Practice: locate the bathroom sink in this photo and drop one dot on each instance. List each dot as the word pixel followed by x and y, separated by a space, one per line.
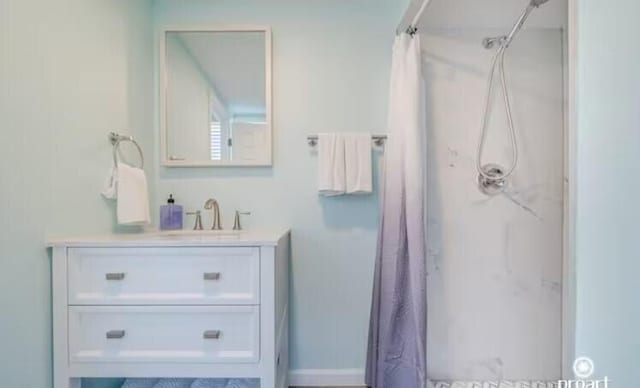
pixel 198 234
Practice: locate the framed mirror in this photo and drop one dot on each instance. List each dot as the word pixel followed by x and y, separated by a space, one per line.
pixel 215 97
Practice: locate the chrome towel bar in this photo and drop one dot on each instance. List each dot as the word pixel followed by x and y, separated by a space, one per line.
pixel 378 140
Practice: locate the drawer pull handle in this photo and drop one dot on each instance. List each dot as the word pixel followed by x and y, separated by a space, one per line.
pixel 115 334
pixel 212 276
pixel 115 276
pixel 212 334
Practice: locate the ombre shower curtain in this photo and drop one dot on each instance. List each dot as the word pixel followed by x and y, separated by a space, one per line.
pixel 396 356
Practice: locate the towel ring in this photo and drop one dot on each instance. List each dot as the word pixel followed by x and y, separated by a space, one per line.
pixel 116 139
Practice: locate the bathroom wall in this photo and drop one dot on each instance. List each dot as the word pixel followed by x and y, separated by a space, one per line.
pixel 495 263
pixel 608 188
pixel 331 64
pixel 71 71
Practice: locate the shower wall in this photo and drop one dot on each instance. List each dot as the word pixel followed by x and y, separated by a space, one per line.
pixel 495 263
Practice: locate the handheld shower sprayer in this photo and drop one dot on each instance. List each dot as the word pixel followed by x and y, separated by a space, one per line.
pixel 492 178
pixel 537 3
pixel 523 18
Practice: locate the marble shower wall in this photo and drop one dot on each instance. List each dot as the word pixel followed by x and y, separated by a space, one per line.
pixel 495 264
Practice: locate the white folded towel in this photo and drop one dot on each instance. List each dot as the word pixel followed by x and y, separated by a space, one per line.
pixel 358 164
pixel 133 196
pixel 331 164
pixel 129 186
pixel 345 164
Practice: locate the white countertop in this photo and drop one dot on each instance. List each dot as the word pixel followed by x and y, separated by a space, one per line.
pixel 176 238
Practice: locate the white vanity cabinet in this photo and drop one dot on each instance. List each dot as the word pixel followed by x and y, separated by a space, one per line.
pixel 193 306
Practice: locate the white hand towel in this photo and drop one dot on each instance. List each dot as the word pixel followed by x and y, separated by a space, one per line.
pixel 358 164
pixel 331 164
pixel 133 196
pixel 110 184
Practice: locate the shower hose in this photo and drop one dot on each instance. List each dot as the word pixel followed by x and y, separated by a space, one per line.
pixel 498 65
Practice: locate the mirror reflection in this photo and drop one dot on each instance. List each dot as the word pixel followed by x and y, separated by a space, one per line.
pixel 216 98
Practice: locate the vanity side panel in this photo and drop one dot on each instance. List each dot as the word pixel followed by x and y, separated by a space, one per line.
pixel 267 316
pixel 282 265
pixel 59 298
pixel 281 257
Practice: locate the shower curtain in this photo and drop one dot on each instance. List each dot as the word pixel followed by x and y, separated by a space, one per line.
pixel 396 356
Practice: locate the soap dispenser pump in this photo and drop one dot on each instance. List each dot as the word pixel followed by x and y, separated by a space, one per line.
pixel 171 215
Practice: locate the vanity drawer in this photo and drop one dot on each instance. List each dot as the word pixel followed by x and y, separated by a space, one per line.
pixel 213 334
pixel 164 276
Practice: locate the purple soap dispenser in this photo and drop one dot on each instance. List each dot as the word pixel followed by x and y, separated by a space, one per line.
pixel 171 215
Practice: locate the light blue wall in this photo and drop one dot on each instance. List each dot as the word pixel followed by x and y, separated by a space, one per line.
pixel 70 71
pixel 331 69
pixel 608 214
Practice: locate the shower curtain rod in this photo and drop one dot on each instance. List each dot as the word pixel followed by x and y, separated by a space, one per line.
pixel 413 27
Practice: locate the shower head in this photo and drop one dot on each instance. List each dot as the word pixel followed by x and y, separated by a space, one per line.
pixel 537 3
pixel 533 4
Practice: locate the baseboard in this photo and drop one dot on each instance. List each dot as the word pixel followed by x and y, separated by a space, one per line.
pixel 326 378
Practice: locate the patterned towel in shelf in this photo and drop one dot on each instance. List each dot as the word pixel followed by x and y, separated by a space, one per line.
pixel 140 383
pixel 210 383
pixel 174 383
pixel 191 383
pixel 243 383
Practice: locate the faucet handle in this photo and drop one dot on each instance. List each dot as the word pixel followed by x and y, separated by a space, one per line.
pixel 198 224
pixel 236 223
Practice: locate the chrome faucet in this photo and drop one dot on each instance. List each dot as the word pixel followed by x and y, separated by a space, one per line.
pixel 213 204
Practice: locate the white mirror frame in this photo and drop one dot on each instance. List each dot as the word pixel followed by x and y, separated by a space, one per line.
pixel 165 161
